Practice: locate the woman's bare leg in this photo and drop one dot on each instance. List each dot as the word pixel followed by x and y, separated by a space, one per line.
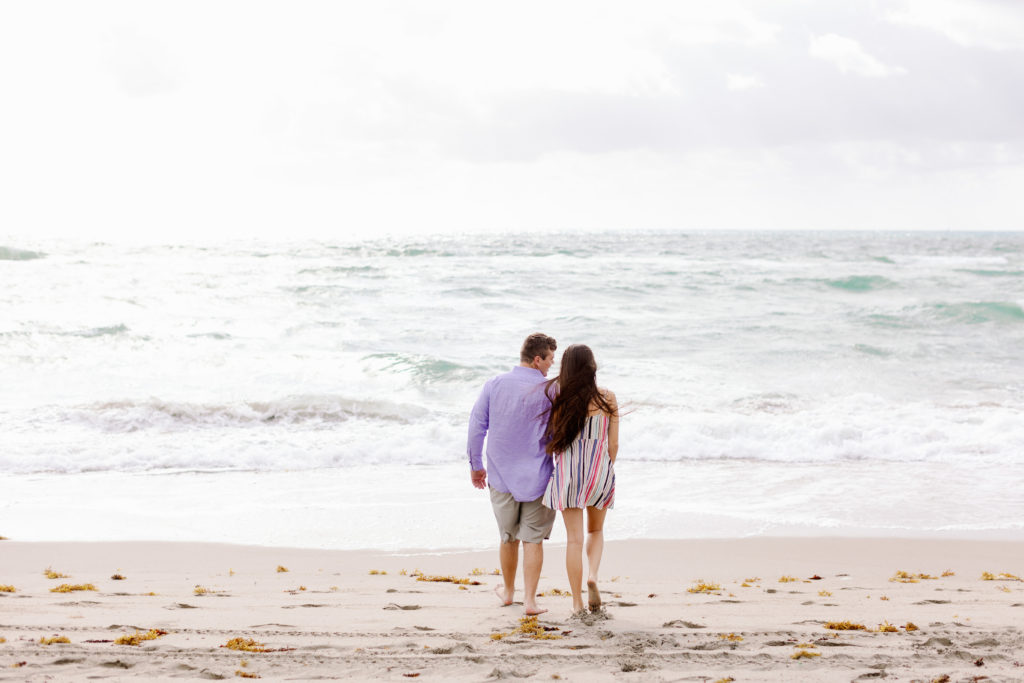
pixel 595 547
pixel 573 519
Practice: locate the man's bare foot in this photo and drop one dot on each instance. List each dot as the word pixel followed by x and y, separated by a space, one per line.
pixel 593 596
pixel 504 595
pixel 533 611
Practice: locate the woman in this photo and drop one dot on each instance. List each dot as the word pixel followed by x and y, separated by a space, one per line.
pixel 583 428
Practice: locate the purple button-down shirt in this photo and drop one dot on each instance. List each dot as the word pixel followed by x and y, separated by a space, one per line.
pixel 511 412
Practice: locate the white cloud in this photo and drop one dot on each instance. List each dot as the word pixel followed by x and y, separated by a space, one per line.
pixel 993 24
pixel 848 55
pixel 743 82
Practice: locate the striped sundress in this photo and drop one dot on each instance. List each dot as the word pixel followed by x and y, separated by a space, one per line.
pixel 584 475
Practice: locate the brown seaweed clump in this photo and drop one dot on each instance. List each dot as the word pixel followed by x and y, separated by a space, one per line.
pixel 55 639
pixel 378 572
pixel 281 569
pixel 117 577
pixel 704 587
pixel 804 654
pixel 910 627
pixel 787 579
pixel 246 674
pixel 731 637
pixel 245 645
pixel 886 627
pixel 1002 576
pixel 7 588
pixel 844 626
pixel 69 588
pixel 531 628
pixel 554 592
pixel 137 638
pixel 906 577
pixel 447 579
pixel 51 574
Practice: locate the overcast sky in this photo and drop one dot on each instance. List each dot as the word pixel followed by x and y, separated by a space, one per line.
pixel 152 120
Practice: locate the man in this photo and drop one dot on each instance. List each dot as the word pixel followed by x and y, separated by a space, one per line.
pixel 511 412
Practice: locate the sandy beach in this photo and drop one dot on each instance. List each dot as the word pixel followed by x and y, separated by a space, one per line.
pixel 763 614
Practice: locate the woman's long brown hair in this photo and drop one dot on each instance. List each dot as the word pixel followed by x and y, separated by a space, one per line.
pixel 576 391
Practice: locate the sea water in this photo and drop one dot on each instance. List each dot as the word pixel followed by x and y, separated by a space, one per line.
pixel 316 393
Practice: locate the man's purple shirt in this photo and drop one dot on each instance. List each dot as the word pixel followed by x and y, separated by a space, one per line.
pixel 511 411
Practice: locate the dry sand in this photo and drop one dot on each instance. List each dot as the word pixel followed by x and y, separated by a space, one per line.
pixel 328 616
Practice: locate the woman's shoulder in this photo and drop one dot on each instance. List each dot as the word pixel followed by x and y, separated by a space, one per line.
pixel 608 394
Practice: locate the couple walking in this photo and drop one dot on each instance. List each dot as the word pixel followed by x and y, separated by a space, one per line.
pixel 551 445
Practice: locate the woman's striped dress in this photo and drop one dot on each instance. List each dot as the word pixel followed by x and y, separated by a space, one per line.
pixel 584 475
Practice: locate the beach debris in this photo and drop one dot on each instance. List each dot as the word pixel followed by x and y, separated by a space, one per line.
pixel 2 640
pixel 1002 576
pixel 246 674
pixel 910 627
pixel 17 665
pixel 202 590
pixel 554 592
pixel 727 679
pixel 654 595
pixel 804 654
pixel 679 623
pixel 231 572
pixel 753 580
pixel 1004 589
pixel 825 594
pixel 787 579
pixel 150 593
pixel 246 645
pixel 886 627
pixel 705 587
pixel 980 661
pixel 117 577
pixel 51 574
pixel 374 572
pixel 281 569
pixel 884 597
pixel 844 626
pixel 907 577
pixel 68 588
pixel 403 572
pixel 814 578
pixel 531 628
pixel 944 678
pixel 137 637
pixel 4 538
pixel 948 572
pixel 731 637
pixel 6 588
pixel 448 579
pixel 413 674
pixel 56 639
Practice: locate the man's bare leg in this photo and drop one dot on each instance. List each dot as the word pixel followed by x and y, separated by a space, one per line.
pixel 509 556
pixel 533 560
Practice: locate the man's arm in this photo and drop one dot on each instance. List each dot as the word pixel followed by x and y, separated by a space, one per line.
pixel 479 419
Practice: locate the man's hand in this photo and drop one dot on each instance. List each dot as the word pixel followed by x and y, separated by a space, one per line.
pixel 479 478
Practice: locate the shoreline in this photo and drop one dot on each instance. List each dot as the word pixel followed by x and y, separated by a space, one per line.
pixel 330 616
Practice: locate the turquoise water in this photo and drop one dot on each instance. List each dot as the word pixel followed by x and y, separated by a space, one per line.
pixel 776 350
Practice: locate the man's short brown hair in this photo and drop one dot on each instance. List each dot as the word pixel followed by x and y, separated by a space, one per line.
pixel 537 344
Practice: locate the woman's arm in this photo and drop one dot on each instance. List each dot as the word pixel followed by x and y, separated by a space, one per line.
pixel 613 426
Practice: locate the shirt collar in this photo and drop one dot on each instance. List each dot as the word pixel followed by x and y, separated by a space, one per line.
pixel 525 370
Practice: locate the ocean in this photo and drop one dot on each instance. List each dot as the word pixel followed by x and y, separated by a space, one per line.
pixel 316 393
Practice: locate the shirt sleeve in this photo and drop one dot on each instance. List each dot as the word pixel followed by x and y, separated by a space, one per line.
pixel 478 423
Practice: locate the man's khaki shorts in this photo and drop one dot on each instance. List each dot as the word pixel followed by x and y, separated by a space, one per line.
pixel 530 522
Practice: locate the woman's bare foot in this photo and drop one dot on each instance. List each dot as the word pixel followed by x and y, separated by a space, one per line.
pixel 532 610
pixel 593 596
pixel 504 594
